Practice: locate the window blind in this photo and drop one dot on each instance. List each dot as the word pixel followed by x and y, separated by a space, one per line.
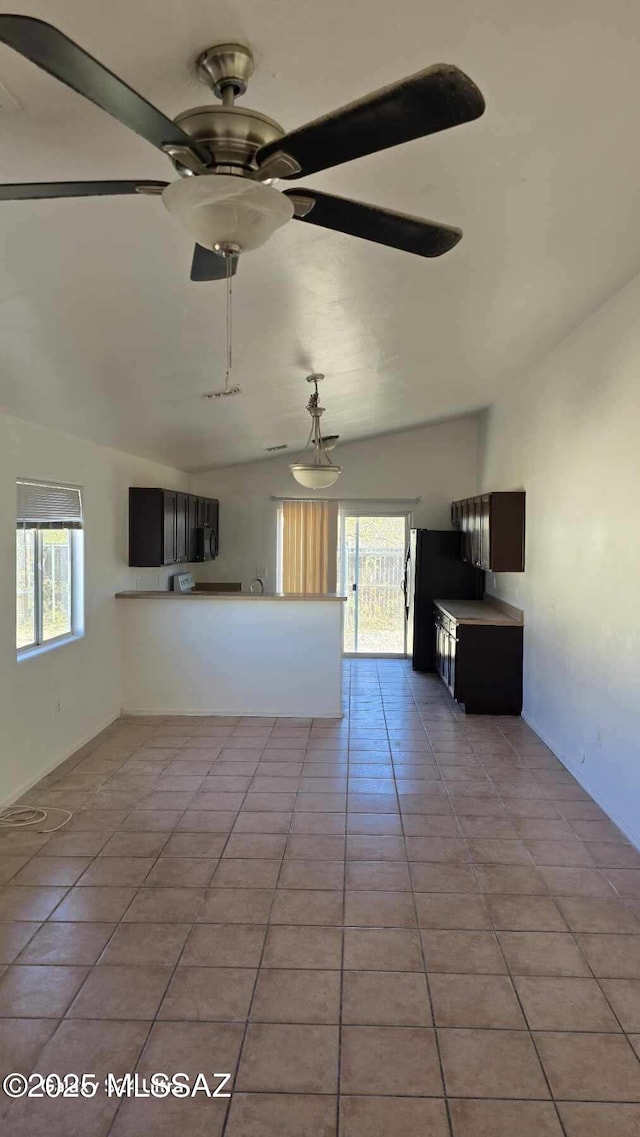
pixel 309 540
pixel 43 505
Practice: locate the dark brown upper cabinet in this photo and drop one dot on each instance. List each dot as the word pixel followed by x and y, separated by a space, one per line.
pixel 493 528
pixel 163 526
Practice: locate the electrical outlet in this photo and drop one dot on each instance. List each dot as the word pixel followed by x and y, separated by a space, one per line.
pixel 58 708
pixel 139 583
pixel 159 580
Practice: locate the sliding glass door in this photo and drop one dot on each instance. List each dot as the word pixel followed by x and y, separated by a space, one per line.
pixel 371 567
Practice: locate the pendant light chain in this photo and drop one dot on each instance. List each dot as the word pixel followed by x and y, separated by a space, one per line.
pixel 315 410
pixel 228 326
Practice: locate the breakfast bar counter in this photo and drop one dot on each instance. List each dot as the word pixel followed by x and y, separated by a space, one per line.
pixel 196 594
pixel 235 653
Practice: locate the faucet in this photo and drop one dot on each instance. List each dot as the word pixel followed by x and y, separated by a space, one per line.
pixel 257 580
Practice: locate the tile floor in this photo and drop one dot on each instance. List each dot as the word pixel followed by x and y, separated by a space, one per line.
pixel 407 923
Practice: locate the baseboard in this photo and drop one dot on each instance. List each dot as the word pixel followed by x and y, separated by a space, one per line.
pixel 269 713
pixel 374 655
pixel 597 796
pixel 26 786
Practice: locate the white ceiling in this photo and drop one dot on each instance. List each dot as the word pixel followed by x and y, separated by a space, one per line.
pixel 103 334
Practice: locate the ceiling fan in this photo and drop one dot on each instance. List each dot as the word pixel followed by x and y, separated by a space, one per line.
pixel 228 156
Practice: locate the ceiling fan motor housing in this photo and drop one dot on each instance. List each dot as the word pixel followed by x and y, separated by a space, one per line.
pixel 232 135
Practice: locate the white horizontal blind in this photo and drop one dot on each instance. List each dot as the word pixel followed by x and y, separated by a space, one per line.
pixel 43 505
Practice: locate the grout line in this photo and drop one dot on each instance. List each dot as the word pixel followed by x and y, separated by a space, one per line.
pixel 255 982
pixel 436 1038
pixel 342 947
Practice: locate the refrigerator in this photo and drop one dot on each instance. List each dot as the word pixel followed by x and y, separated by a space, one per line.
pixel 434 570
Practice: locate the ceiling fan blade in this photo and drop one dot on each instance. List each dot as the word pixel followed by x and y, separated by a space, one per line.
pixel 434 99
pixel 58 55
pixel 384 226
pixel 27 190
pixel 207 265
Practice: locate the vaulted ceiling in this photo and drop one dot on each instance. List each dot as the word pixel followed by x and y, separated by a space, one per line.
pixel 103 334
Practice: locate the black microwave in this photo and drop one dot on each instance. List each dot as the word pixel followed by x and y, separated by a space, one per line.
pixel 206 543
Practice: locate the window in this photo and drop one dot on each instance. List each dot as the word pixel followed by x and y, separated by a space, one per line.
pixel 49 586
pixel 371 565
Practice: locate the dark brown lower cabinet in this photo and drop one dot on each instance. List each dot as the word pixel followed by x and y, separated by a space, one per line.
pixel 481 664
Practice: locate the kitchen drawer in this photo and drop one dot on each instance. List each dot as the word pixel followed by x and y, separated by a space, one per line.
pixel 443 620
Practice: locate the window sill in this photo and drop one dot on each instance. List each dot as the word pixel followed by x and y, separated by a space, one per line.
pixel 50 645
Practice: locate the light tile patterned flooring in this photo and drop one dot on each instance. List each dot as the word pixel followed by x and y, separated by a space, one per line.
pixel 405 924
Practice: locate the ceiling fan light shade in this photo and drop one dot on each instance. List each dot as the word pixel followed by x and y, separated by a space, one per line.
pixel 222 209
pixel 315 477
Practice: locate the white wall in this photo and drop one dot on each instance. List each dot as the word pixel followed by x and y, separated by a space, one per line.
pixel 83 676
pixel 436 463
pixel 568 433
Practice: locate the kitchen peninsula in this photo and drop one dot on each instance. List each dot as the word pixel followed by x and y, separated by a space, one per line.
pixel 231 653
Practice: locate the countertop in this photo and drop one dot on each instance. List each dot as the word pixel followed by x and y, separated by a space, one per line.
pixel 476 612
pixel 225 597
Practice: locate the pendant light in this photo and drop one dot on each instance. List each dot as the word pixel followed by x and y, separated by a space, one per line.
pixel 320 472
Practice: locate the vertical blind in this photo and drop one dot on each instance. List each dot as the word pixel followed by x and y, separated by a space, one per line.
pixel 43 505
pixel 309 546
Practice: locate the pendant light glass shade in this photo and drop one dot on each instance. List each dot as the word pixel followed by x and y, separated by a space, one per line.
pixel 315 477
pixel 320 473
pixel 220 209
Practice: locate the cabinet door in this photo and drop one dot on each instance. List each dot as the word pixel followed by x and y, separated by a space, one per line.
pixel 471 531
pixel 182 527
pixel 212 522
pixel 191 526
pixel 211 512
pixel 448 658
pixel 452 662
pixel 169 517
pixel 466 531
pixel 439 650
pixel 477 531
pixel 485 532
pixel 145 527
pixel 507 526
pixel 470 517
